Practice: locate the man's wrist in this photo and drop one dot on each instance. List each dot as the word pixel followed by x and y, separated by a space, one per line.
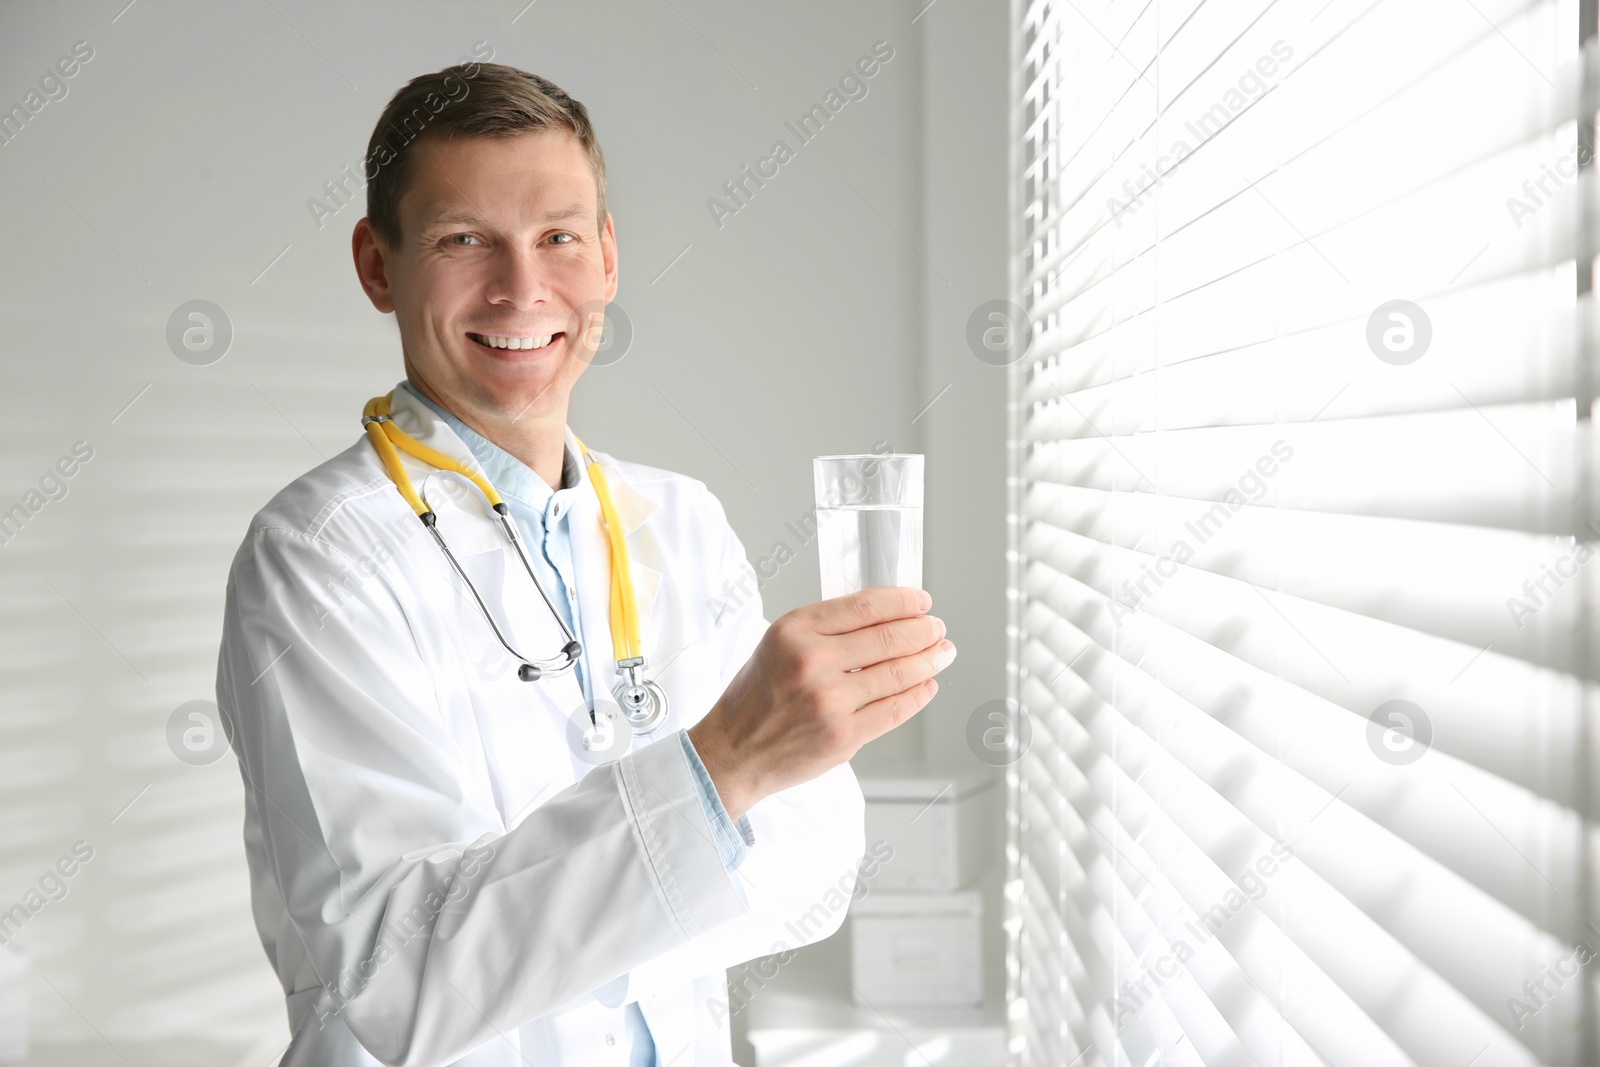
pixel 735 796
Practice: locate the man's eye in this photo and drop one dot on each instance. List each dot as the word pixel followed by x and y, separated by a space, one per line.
pixel 461 238
pixel 569 240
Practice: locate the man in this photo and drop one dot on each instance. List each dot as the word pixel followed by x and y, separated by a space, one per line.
pixel 443 870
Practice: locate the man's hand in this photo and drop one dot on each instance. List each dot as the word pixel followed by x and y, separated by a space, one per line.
pixel 826 679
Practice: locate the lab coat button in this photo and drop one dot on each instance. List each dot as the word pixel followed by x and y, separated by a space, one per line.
pixel 611 1039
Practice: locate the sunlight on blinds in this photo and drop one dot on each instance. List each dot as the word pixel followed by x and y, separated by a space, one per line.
pixel 1302 507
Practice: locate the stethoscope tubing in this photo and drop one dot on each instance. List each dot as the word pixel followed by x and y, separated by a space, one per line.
pixel 643 703
pixel 530 669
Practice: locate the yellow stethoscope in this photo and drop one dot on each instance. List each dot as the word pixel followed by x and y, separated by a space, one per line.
pixel 643 702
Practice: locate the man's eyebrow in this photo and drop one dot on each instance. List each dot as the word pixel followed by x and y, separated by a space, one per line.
pixel 457 217
pixel 450 217
pixel 572 211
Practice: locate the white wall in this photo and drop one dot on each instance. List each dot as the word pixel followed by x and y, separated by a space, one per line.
pixel 818 319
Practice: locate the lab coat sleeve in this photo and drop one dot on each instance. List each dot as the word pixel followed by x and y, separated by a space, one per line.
pixel 432 929
pixel 732 841
pixel 808 840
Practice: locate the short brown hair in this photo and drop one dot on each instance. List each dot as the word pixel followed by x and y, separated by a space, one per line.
pixel 473 100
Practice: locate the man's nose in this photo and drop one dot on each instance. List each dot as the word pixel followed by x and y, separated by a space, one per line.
pixel 518 278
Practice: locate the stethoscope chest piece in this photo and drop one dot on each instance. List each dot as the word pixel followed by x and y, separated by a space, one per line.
pixel 643 703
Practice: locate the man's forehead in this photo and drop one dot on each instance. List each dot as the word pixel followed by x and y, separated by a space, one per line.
pixel 552 151
pixel 556 184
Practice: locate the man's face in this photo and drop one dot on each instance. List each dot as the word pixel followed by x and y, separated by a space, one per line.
pixel 498 241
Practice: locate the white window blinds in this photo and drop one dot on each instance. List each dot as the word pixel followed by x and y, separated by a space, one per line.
pixel 1303 516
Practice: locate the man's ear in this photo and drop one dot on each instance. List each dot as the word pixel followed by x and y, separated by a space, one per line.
pixel 608 256
pixel 372 268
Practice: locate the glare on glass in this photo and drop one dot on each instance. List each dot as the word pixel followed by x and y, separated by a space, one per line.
pixel 869 521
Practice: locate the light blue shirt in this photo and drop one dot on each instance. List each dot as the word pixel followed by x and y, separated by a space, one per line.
pixel 541 515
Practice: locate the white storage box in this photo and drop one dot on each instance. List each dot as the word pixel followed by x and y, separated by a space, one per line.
pixel 939 827
pixel 913 949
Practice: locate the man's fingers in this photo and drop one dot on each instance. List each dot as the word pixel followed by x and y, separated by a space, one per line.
pixel 883 680
pixel 867 607
pixel 881 716
pixel 890 640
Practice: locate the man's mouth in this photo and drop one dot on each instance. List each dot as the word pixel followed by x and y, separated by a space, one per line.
pixel 514 343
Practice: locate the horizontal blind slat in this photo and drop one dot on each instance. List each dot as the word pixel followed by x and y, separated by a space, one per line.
pixel 1208 820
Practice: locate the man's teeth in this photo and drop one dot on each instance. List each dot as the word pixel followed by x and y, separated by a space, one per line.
pixel 512 342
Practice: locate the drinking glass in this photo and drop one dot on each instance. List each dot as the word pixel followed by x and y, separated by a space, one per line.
pixel 869 521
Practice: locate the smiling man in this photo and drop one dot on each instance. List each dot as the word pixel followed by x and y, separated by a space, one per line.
pixel 450 863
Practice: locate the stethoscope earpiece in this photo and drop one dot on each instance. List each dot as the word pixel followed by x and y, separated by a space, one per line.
pixel 570 652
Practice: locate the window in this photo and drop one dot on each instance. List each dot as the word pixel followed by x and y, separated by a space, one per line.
pixel 1303 517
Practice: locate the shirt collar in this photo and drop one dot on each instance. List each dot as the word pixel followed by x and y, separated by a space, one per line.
pixel 509 475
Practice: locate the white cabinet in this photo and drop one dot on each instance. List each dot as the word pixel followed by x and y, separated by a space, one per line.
pixel 917 949
pixel 941 828
pixel 806 1015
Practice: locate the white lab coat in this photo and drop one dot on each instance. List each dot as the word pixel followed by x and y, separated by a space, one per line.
pixel 436 877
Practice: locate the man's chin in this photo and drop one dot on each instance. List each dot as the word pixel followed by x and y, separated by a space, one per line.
pixel 523 395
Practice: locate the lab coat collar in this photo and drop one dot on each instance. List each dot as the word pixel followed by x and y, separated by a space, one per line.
pixel 416 418
pixel 422 423
pixel 633 507
pixel 512 477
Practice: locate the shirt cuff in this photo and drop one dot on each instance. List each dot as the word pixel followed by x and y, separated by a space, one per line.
pixel 730 845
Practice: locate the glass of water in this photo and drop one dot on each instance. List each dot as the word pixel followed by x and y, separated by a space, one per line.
pixel 869 521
